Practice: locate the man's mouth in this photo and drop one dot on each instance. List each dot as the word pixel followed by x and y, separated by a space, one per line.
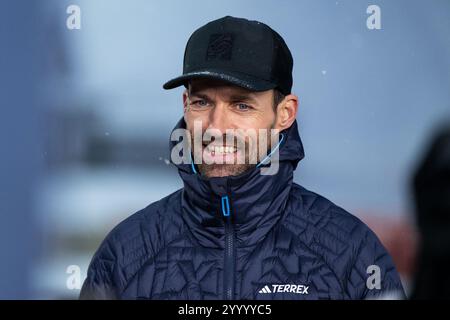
pixel 220 150
pixel 220 154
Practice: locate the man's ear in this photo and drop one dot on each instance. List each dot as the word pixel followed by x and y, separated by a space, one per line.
pixel 185 99
pixel 286 112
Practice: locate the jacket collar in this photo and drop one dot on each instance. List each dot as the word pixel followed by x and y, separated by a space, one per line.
pixel 251 202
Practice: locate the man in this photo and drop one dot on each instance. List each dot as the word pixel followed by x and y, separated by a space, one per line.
pixel 238 230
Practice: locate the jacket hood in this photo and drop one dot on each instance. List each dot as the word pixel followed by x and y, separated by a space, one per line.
pixel 252 202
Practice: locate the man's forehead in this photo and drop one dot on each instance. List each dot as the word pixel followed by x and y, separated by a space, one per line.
pixel 198 85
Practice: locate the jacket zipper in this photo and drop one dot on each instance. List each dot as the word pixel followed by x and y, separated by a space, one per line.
pixel 229 265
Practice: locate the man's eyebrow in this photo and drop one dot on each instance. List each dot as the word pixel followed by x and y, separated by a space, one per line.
pixel 242 97
pixel 248 97
pixel 199 95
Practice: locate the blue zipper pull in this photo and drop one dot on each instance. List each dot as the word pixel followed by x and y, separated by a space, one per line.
pixel 225 206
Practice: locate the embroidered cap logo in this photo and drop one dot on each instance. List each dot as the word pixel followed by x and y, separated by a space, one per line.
pixel 220 46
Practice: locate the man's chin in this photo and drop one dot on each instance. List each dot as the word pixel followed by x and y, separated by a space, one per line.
pixel 223 170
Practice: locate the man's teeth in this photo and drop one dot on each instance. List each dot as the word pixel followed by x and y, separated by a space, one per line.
pixel 221 149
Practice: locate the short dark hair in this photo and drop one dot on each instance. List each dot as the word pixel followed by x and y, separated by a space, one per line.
pixel 277 98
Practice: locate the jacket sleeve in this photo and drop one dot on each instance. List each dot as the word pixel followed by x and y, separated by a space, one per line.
pixel 373 274
pixel 101 282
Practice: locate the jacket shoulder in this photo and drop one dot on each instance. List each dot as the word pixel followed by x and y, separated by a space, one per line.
pixel 129 245
pixel 319 216
pixel 349 247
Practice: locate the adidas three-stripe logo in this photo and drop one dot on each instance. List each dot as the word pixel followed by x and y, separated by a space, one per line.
pixel 266 289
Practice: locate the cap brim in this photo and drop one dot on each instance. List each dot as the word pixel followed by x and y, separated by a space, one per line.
pixel 236 78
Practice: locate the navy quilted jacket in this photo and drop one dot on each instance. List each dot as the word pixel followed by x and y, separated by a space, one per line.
pixel 251 236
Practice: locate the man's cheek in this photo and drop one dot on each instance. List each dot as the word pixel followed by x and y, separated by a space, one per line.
pixel 251 151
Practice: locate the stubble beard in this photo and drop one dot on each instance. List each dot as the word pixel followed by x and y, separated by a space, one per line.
pixel 235 169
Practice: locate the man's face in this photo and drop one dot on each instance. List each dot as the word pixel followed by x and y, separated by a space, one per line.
pixel 216 107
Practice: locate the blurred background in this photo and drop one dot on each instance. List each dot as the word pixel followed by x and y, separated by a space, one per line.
pixel 85 123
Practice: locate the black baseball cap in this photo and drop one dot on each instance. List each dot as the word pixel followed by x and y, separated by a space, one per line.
pixel 242 52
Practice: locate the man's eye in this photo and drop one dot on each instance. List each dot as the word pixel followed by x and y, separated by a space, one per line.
pixel 200 103
pixel 243 107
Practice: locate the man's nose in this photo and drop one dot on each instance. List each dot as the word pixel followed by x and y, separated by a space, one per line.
pixel 219 118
